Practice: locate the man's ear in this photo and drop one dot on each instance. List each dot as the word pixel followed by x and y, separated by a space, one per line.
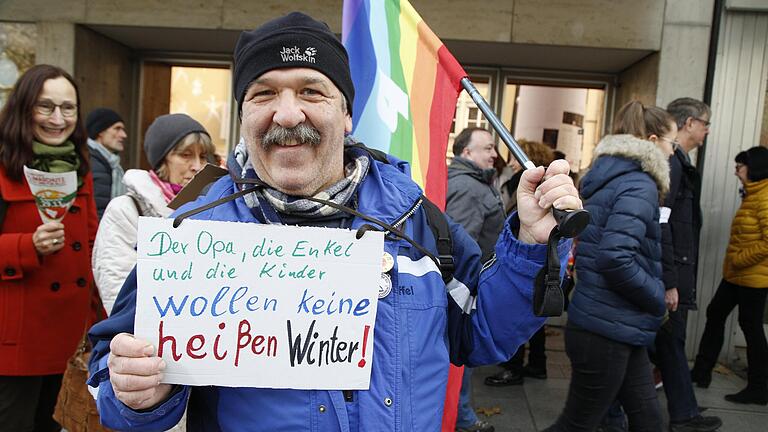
pixel 348 123
pixel 653 138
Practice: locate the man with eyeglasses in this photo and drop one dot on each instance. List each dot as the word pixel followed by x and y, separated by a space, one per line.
pixel 680 226
pixel 106 139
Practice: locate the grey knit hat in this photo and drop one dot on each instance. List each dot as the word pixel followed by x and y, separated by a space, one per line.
pixel 165 132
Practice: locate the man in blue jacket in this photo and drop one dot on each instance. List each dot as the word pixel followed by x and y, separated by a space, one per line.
pixel 295 111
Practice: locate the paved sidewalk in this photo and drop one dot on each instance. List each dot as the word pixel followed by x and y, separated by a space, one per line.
pixel 536 404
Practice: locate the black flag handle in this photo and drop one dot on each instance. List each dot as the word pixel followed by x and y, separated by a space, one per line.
pixel 548 295
pixel 570 222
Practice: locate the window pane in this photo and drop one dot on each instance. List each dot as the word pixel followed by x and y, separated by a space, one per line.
pixel 203 94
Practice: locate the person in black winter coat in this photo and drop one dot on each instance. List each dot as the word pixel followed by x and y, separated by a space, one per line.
pixel 618 301
pixel 680 226
pixel 106 139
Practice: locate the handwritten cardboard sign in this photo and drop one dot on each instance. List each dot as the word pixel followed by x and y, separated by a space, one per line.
pixel 249 305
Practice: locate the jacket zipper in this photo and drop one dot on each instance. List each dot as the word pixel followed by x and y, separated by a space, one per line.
pixel 408 214
pixel 348 395
pixel 491 261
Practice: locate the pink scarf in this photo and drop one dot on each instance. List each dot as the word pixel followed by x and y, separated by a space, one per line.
pixel 169 189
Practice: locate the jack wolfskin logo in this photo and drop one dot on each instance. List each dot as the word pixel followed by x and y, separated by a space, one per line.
pixel 292 54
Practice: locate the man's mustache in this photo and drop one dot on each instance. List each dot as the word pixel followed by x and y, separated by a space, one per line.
pixel 301 134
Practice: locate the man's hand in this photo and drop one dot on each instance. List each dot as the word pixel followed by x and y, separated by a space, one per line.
pixel 671 298
pixel 135 372
pixel 534 200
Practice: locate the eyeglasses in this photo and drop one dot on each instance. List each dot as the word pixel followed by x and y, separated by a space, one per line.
pixel 46 108
pixel 706 123
pixel 673 142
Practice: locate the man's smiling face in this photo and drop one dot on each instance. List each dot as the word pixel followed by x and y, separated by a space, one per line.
pixel 294 121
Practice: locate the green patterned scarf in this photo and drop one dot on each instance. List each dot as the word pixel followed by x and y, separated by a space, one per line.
pixel 56 159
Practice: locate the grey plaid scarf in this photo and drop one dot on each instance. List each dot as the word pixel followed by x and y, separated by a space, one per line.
pixel 341 192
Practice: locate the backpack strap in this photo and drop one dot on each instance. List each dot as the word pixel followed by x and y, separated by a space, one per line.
pixel 375 154
pixel 442 232
pixel 435 220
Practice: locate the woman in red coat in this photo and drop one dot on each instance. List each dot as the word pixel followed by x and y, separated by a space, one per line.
pixel 45 272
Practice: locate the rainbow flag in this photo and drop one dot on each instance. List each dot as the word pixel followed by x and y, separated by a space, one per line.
pixel 406 86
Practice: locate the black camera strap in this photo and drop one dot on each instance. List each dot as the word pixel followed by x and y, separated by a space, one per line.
pixel 548 298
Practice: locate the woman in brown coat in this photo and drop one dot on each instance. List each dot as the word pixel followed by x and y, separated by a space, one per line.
pixel 45 272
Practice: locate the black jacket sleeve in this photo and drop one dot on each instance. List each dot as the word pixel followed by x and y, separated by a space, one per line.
pixel 667 244
pixel 102 182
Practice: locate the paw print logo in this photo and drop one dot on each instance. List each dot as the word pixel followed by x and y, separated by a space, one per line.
pixel 310 52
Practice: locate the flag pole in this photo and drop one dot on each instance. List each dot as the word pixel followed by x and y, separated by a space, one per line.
pixel 570 222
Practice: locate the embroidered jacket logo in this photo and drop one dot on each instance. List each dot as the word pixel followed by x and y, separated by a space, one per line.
pixel 292 54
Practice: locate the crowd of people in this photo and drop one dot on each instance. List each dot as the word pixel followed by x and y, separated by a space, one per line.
pixel 635 267
pixel 635 263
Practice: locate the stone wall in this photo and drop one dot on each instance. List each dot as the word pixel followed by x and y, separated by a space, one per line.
pixel 587 23
pixel 639 82
pixel 105 73
pixel 684 50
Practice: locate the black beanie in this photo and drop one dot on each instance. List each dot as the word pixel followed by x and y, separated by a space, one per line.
pixel 99 120
pixel 165 132
pixel 294 40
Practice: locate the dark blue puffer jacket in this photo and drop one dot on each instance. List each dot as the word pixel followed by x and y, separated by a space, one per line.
pixel 619 292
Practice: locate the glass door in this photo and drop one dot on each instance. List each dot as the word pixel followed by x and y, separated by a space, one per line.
pixel 202 91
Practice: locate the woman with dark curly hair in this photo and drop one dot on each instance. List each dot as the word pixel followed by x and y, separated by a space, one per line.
pixel 744 284
pixel 45 268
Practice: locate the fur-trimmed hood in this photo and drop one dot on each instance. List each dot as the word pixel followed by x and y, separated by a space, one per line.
pixel 646 153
